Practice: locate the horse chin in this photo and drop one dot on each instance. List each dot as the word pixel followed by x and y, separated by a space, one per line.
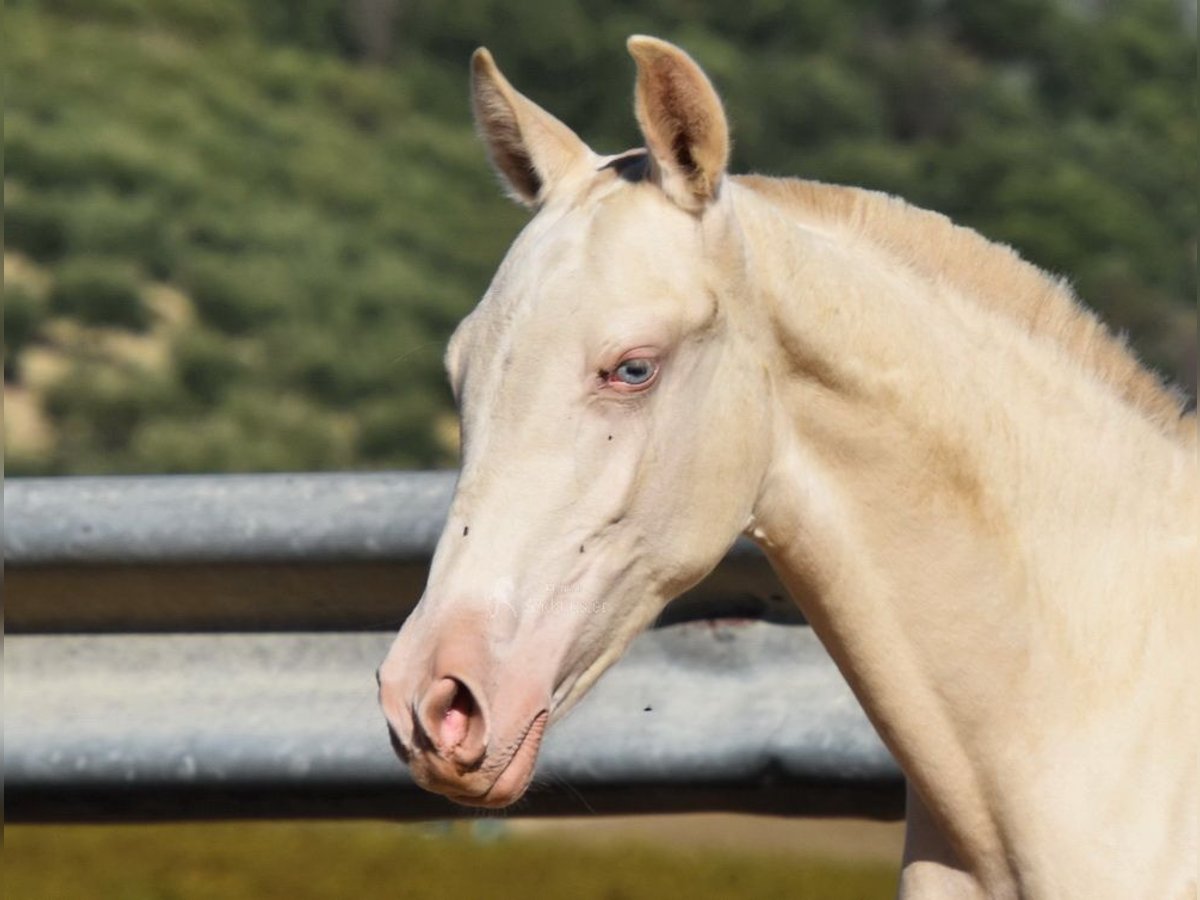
pixel 509 785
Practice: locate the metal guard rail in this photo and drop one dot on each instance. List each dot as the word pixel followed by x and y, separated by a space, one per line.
pixel 204 646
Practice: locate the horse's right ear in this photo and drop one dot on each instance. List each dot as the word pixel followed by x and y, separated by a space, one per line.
pixel 530 150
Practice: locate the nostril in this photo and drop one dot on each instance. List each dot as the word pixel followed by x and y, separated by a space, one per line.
pixel 456 720
pixel 453 720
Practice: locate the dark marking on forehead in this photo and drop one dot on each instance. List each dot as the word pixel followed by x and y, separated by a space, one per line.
pixel 632 167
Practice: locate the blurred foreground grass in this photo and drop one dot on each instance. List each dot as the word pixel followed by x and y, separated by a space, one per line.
pixel 298 861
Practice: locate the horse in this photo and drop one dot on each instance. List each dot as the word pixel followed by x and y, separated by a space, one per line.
pixel 985 507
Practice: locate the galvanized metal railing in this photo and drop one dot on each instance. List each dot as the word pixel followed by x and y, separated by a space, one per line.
pixel 198 647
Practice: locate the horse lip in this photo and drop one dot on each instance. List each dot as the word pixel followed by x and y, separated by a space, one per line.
pixel 482 798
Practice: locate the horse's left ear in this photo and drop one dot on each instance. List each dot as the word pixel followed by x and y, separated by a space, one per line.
pixel 682 121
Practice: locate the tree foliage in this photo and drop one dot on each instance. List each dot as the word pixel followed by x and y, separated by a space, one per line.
pixel 304 175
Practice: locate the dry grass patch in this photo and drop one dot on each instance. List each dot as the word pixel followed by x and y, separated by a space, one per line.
pixel 298 861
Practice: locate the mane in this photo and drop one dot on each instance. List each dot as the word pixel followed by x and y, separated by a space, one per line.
pixel 993 275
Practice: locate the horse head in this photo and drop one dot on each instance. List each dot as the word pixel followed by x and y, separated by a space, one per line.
pixel 614 429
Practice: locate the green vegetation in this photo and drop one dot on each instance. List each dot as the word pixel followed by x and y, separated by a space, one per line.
pixel 99 291
pixel 24 313
pixel 238 235
pixel 321 861
pixel 325 228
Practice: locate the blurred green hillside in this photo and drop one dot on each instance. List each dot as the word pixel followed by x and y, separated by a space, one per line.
pixel 239 234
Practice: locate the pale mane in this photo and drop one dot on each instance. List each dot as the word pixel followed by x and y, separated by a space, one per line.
pixel 992 274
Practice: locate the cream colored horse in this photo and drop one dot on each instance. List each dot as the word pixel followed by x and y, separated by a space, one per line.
pixel 985 507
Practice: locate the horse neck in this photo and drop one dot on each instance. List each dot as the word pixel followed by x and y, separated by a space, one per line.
pixel 927 417
pixel 949 503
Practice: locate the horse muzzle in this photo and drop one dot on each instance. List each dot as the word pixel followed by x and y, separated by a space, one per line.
pixel 475 749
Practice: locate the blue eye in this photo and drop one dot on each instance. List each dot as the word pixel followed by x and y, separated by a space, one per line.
pixel 635 371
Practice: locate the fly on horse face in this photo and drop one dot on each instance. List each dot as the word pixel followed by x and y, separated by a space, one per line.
pixel 986 509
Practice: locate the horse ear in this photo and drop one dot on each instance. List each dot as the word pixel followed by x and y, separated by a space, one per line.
pixel 530 150
pixel 682 120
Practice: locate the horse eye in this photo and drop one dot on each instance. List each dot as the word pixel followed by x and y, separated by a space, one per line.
pixel 635 371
